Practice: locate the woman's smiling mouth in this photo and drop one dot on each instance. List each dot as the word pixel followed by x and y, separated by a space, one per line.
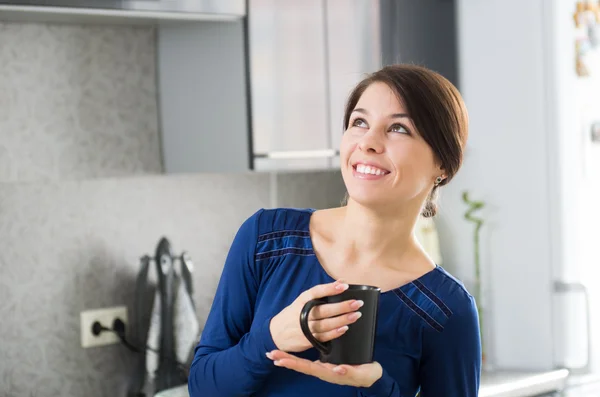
pixel 365 170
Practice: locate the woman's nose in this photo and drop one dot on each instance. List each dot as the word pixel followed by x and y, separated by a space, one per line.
pixel 371 142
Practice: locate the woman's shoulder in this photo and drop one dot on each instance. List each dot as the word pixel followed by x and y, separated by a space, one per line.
pixel 448 287
pixel 439 299
pixel 275 223
pixel 448 290
pixel 279 232
pixel 270 233
pixel 283 219
pixel 456 327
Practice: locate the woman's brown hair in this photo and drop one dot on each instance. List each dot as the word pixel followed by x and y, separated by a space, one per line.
pixel 436 108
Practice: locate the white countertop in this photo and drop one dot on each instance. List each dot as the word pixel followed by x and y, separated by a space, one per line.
pixel 496 384
pixel 521 384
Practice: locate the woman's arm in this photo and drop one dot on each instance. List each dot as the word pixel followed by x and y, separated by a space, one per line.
pixel 451 363
pixel 451 360
pixel 230 359
pixel 386 386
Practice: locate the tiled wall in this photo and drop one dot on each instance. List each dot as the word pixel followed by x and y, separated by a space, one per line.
pixel 80 201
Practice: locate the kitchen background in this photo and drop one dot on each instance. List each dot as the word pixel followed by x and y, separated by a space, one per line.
pixel 80 200
pixel 95 164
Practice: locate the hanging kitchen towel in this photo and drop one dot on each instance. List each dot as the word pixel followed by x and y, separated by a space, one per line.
pixel 153 341
pixel 187 326
pixel 185 323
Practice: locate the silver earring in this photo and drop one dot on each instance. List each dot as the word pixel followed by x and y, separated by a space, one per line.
pixel 438 180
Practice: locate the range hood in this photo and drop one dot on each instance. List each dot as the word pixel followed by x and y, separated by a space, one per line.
pixel 115 10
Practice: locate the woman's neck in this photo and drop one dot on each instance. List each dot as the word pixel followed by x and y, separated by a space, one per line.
pixel 367 237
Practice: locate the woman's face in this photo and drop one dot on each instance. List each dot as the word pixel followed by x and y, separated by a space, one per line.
pixel 384 160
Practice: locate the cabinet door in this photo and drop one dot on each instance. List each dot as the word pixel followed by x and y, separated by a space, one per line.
pixel 289 94
pixel 203 97
pixel 353 39
pixel 421 32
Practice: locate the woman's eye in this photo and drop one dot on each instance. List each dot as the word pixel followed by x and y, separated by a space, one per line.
pixel 359 123
pixel 398 128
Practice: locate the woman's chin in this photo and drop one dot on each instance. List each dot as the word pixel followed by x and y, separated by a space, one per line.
pixel 369 199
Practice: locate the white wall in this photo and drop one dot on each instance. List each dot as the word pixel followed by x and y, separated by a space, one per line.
pixel 529 160
pixel 502 78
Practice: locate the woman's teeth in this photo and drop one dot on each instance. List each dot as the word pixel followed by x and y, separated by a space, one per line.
pixel 368 169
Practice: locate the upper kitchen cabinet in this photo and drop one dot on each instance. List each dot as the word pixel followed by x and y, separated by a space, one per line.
pixel 267 92
pixel 305 58
pixel 353 40
pixel 203 97
pixel 422 32
pixel 288 62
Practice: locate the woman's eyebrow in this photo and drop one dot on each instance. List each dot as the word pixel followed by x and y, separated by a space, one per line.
pixel 392 116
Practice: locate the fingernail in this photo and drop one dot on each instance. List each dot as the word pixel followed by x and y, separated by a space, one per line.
pixel 339 370
pixel 277 363
pixel 269 355
pixel 354 316
pixel 357 304
pixel 342 329
pixel 341 287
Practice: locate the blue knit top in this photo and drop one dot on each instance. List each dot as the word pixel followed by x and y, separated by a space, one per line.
pixel 427 335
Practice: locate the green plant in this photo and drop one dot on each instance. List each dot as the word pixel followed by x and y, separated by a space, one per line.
pixel 474 206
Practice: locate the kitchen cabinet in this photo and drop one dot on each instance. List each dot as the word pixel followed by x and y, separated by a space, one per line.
pixel 305 58
pixel 354 49
pixel 202 97
pixel 265 93
pixel 268 92
pixel 260 84
pixel 289 85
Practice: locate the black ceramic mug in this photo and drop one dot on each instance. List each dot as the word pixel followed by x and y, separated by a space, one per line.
pixel 356 345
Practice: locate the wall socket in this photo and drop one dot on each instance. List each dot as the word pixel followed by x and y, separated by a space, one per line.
pixel 105 317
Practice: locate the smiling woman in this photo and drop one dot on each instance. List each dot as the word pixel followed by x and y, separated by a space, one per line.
pixel 424 107
pixel 405 130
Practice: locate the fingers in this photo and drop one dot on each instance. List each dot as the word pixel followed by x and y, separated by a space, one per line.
pixel 352 375
pixel 323 290
pixel 283 359
pixel 327 365
pixel 278 355
pixel 299 364
pixel 333 323
pixel 334 309
pixel 331 335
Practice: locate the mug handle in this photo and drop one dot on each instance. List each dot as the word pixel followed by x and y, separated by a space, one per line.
pixel 323 347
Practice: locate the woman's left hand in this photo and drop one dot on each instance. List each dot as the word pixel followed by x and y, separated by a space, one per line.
pixel 351 375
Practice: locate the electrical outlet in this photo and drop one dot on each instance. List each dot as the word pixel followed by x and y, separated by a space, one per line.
pixel 105 317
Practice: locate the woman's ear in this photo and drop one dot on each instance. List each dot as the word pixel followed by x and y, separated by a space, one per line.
pixel 441 172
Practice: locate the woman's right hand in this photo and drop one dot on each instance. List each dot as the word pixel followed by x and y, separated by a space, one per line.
pixel 326 322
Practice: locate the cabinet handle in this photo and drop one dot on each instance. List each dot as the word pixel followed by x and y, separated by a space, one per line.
pixel 566 287
pixel 299 154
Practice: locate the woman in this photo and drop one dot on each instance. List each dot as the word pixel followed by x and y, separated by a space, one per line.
pixel 405 131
